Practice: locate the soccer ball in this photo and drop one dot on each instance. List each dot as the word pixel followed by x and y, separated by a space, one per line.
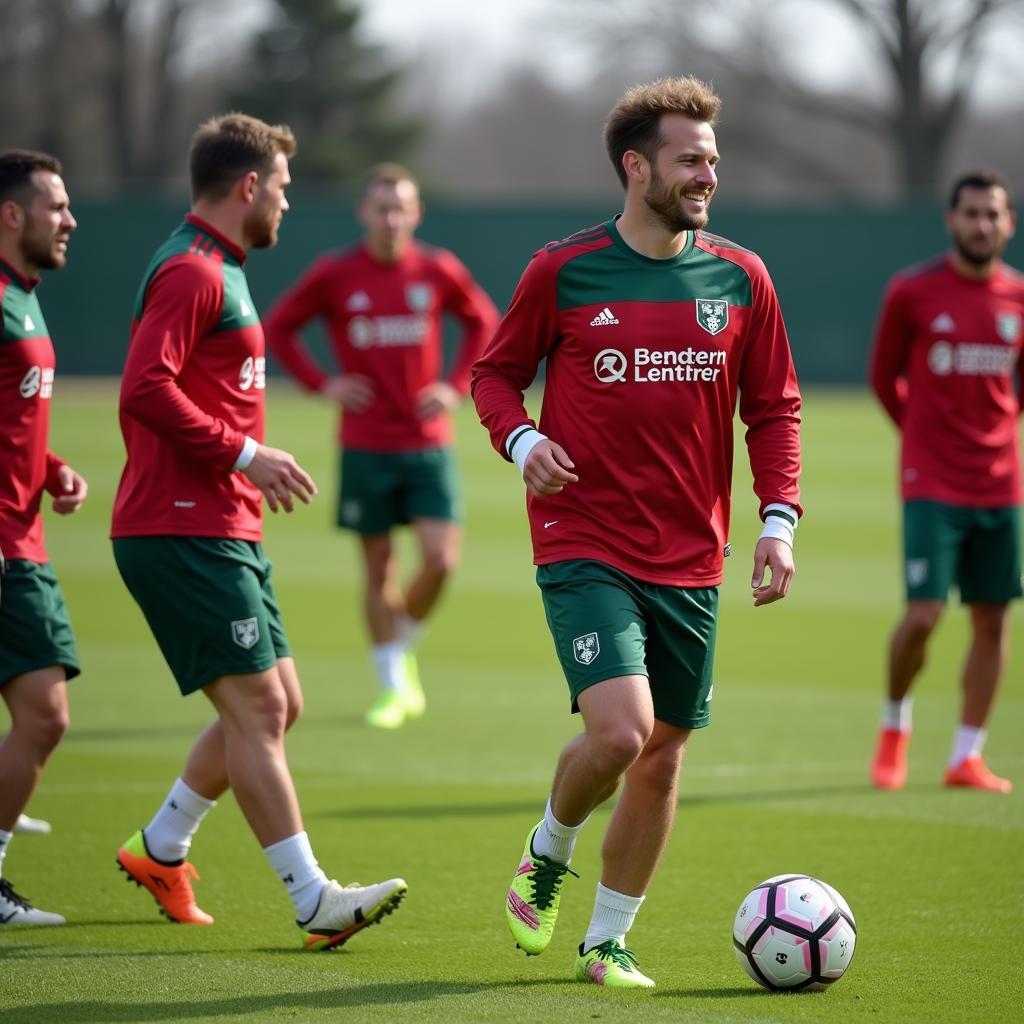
pixel 794 932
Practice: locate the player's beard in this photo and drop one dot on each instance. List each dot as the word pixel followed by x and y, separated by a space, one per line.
pixel 976 258
pixel 665 205
pixel 39 249
pixel 261 228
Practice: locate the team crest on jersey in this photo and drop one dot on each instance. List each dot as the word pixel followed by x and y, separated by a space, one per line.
pixel 586 648
pixel 245 632
pixel 1008 326
pixel 419 297
pixel 713 315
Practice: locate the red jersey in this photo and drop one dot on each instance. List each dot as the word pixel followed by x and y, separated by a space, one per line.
pixel 384 322
pixel 645 359
pixel 192 390
pixel 946 352
pixel 27 468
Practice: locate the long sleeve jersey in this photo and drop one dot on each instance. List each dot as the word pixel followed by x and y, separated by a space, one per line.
pixel 645 360
pixel 947 351
pixel 192 390
pixel 385 322
pixel 27 467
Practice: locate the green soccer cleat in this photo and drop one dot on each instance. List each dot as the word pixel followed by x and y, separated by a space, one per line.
pixel 612 965
pixel 388 711
pixel 531 907
pixel 415 699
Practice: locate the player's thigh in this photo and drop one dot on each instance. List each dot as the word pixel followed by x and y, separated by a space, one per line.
pixel 370 496
pixel 596 621
pixel 38 698
pixel 682 627
pixel 431 485
pixel 933 535
pixel 35 629
pixel 208 602
pixel 990 562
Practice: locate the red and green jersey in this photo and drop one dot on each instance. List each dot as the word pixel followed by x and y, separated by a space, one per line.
pixel 645 360
pixel 385 323
pixel 946 354
pixel 192 390
pixel 27 468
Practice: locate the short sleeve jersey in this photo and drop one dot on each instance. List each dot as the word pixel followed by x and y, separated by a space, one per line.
pixel 26 384
pixel 645 360
pixel 946 366
pixel 192 390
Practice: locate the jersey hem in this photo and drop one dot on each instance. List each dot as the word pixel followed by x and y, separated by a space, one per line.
pixel 673 580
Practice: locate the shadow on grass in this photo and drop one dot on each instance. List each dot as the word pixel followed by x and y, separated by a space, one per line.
pixel 370 996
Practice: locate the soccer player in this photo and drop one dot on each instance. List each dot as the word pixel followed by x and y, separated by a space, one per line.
pixel 37 647
pixel 948 348
pixel 652 329
pixel 383 303
pixel 187 526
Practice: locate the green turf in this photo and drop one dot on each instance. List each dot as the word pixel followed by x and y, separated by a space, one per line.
pixel 777 784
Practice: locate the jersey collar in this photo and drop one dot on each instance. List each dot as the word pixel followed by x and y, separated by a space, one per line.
pixel 26 283
pixel 224 242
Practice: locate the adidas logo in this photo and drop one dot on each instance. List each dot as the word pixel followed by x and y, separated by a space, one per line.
pixel 29 326
pixel 245 310
pixel 357 302
pixel 604 318
pixel 943 323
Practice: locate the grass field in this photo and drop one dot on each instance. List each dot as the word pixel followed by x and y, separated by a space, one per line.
pixel 779 783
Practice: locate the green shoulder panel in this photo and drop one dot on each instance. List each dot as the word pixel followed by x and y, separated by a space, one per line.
pixel 22 315
pixel 238 309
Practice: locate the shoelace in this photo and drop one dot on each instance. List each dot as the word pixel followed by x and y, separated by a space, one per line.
pixel 546 879
pixel 8 893
pixel 611 950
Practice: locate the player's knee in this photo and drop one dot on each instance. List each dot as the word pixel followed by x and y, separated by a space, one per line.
pixel 922 617
pixel 293 709
pixel 266 712
pixel 44 726
pixel 622 743
pixel 441 562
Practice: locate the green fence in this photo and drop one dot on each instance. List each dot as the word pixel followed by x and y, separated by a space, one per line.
pixel 829 266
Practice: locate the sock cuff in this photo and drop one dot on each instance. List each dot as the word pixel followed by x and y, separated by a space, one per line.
pixel 618 900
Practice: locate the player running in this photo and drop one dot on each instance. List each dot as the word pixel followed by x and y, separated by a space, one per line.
pixel 651 329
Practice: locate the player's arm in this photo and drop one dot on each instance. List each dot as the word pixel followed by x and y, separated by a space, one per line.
pixel 890 352
pixel 525 335
pixel 770 408
pixel 68 488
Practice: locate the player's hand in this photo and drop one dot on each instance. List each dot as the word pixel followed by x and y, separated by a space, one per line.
pixel 775 556
pixel 548 469
pixel 279 476
pixel 435 399
pixel 350 390
pixel 71 491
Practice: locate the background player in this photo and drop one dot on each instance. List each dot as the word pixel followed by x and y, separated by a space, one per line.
pixel 188 523
pixel 650 328
pixel 383 302
pixel 37 647
pixel 947 351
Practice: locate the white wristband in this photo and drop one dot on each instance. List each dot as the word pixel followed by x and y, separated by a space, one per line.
pixel 246 455
pixel 521 442
pixel 780 522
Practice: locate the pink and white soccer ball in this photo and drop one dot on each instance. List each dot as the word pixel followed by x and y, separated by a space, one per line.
pixel 794 932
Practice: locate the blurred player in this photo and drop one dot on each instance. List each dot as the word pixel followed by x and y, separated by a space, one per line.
pixel 37 647
pixel 651 329
pixel 188 523
pixel 383 302
pixel 947 351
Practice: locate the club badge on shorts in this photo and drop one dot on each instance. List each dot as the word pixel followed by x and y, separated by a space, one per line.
pixel 245 632
pixel 586 648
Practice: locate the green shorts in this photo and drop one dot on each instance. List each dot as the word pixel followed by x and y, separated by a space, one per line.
pixel 208 601
pixel 35 631
pixel 978 549
pixel 380 490
pixel 606 624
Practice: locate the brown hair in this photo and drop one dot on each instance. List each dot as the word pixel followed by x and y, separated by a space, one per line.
pixel 16 169
pixel 635 121
pixel 388 174
pixel 985 178
pixel 227 147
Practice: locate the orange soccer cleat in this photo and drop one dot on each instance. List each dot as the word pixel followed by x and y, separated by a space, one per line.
pixel 170 884
pixel 974 773
pixel 889 768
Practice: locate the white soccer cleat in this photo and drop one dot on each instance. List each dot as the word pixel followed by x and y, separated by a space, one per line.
pixel 344 911
pixel 32 826
pixel 15 909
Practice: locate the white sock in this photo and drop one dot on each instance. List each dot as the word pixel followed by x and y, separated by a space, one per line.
pixel 898 714
pixel 169 835
pixel 555 840
pixel 5 839
pixel 969 739
pixel 408 631
pixel 293 860
pixel 614 914
pixel 389 662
